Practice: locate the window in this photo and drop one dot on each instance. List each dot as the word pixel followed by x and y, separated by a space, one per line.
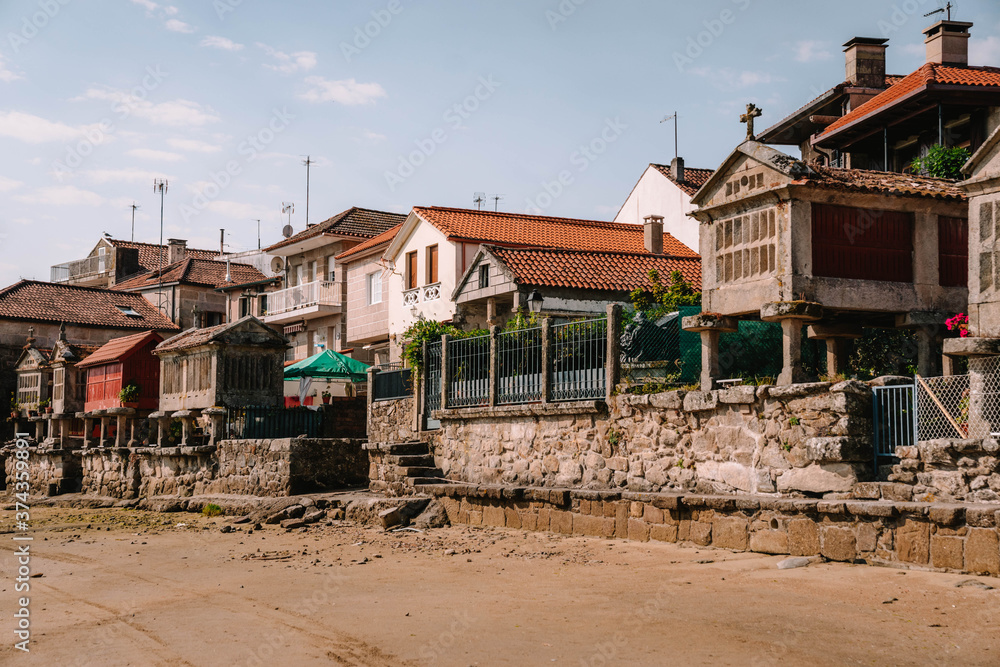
pixel 432 265
pixel 299 275
pixel 484 276
pixel 313 274
pixel 128 310
pixel 262 305
pixel 374 288
pixel 244 306
pixel 411 270
pixel 211 319
pixel 331 269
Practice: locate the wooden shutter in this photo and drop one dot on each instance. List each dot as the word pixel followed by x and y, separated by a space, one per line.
pixel 953 252
pixel 411 270
pixel 862 244
pixel 432 265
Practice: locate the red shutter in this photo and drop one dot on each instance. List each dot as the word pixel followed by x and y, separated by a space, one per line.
pixel 953 252
pixel 862 244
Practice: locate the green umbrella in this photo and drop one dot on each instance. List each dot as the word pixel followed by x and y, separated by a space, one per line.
pixel 328 365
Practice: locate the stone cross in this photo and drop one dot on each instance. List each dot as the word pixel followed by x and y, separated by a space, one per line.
pixel 752 112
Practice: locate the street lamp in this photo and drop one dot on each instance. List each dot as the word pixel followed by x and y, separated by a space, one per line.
pixel 535 302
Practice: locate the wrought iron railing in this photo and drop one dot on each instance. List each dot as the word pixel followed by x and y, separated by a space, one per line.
pixel 319 293
pixel 520 375
pixel 258 423
pixel 468 367
pixel 80 268
pixel 432 390
pixel 579 360
pixel 392 385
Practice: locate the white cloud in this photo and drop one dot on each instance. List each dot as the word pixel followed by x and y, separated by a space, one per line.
pixel 179 26
pixel 6 74
pixel 984 51
pixel 8 184
pixel 193 146
pixel 170 10
pixel 148 4
pixel 222 43
pixel 37 130
pixel 62 195
pixel 373 136
pixel 728 79
pixel 809 50
pixel 347 91
pixel 150 154
pixel 289 63
pixel 175 112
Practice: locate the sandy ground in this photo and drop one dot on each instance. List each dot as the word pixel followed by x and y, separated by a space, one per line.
pixel 127 587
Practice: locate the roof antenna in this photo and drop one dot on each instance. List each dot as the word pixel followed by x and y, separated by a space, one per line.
pixel 134 207
pixel 674 117
pixel 496 202
pixel 289 208
pixel 308 162
pixel 479 200
pixel 939 10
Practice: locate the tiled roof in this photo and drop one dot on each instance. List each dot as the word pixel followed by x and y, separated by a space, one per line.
pixel 191 338
pixel 611 271
pixel 118 348
pixel 195 272
pixel 693 178
pixel 358 222
pixel 862 180
pixel 541 231
pixel 149 253
pixel 87 306
pixel 929 73
pixel 381 239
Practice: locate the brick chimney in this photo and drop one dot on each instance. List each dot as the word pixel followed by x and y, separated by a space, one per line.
pixel 176 250
pixel 948 43
pixel 866 61
pixel 652 233
pixel 677 169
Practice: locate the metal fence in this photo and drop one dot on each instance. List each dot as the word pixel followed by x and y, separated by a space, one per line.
pixel 651 350
pixel 468 372
pixel 391 385
pixel 579 360
pixel 960 406
pixel 520 376
pixel 894 419
pixel 258 423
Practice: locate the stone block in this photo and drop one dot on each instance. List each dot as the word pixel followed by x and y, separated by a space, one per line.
pixel 663 533
pixel 947 552
pixel 621 519
pixel 529 520
pixel 701 401
pixel 741 395
pixel 561 521
pixel 769 541
pixel 671 400
pixel 867 537
pixel 838 543
pixel 730 533
pixel 593 526
pixel 839 448
pixel 700 533
pixel 638 530
pixel 493 515
pixel 803 537
pixel 897 492
pixel 513 518
pixel 913 542
pixel 819 478
pixel 947 515
pixel 982 552
pixel 867 491
pixel 870 508
pixel 652 514
pixel 981 517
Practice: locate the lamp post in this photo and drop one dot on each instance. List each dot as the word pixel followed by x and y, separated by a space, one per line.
pixel 160 186
pixel 535 300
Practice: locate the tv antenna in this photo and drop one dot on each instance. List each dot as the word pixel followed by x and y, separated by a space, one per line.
pixel 496 202
pixel 674 118
pixel 160 186
pixel 134 207
pixel 289 208
pixel 479 200
pixel 308 162
pixel 947 8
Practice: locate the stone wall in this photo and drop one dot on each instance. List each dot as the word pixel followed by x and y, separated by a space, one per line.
pixel 949 470
pixel 948 537
pixel 45 467
pixel 806 439
pixel 391 421
pixel 143 472
pixel 345 417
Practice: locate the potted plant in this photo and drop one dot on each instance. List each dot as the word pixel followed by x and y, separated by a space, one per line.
pixel 327 396
pixel 47 405
pixel 15 408
pixel 129 395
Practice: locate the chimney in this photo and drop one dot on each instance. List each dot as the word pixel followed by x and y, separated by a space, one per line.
pixel 948 43
pixel 652 233
pixel 677 169
pixel 176 250
pixel 866 61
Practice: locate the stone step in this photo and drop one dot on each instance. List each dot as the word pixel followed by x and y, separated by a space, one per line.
pixel 419 471
pixel 407 448
pixel 411 460
pixel 417 481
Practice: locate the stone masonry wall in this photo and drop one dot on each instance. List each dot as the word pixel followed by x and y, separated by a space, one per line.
pixel 949 470
pixel 147 471
pixel 391 421
pixel 45 466
pixel 811 439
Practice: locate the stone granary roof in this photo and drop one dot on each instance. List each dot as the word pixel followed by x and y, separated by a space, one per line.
pixel 541 231
pixel 196 337
pixel 38 301
pixel 117 349
pixel 191 271
pixel 595 270
pixel 358 223
pixel 863 180
pixel 149 253
pixel 693 178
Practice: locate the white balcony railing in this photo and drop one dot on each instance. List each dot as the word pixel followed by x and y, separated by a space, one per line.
pixel 421 295
pixel 319 293
pixel 89 266
pixel 411 297
pixel 432 292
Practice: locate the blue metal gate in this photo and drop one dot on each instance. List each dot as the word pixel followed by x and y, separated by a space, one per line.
pixel 432 384
pixel 894 420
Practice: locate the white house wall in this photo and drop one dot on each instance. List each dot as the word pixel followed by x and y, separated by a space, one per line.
pixel 655 194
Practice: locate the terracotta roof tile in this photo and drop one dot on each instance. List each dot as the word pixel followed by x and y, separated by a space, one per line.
pixel 190 338
pixel 542 231
pixel 382 239
pixel 929 73
pixel 610 271
pixel 357 222
pixel 87 306
pixel 693 178
pixel 149 253
pixel 862 180
pixel 195 272
pixel 117 349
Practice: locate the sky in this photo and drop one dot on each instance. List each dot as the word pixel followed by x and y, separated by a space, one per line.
pixel 556 105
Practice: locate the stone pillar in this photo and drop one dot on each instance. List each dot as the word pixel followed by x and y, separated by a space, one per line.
pixel 614 355
pixel 792 315
pixel 122 417
pixel 709 325
pixel 837 337
pixel 949 364
pixel 186 417
pixel 546 360
pixel 87 428
pixel 160 426
pixel 39 429
pixel 494 362
pixel 217 424
pixel 927 361
pixel 50 433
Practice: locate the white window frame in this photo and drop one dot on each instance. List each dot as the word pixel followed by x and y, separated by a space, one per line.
pixel 373 280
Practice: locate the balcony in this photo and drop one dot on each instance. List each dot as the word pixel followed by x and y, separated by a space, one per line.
pixel 87 271
pixel 421 295
pixel 307 302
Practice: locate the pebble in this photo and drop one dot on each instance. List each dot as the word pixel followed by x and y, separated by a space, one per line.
pixel 794 562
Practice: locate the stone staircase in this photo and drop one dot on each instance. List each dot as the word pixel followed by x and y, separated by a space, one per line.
pixel 397 467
